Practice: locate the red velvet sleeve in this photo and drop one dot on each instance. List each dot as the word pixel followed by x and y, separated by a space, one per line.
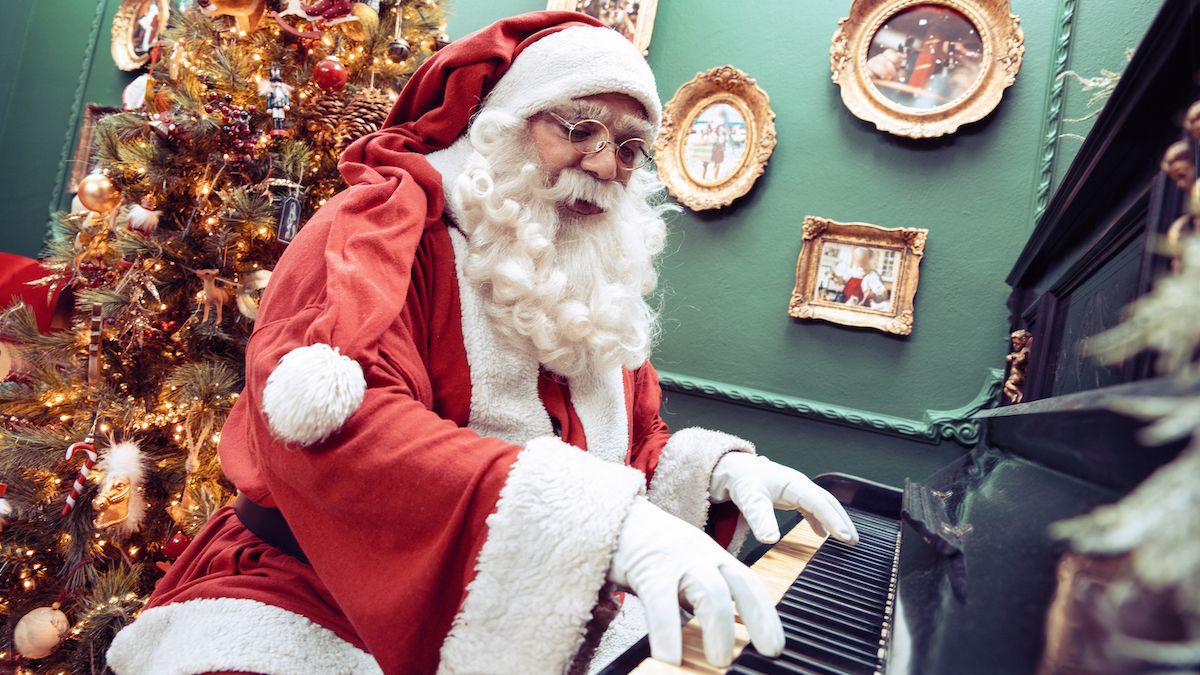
pixel 391 509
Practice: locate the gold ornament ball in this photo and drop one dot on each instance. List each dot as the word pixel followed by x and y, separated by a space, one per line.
pixel 97 193
pixel 40 632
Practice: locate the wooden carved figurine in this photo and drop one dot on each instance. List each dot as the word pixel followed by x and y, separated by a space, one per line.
pixel 1018 360
pixel 1179 165
pixel 214 296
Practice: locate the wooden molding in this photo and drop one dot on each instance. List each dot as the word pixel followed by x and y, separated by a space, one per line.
pixel 957 424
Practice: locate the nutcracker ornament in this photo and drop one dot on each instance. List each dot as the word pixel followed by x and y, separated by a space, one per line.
pixel 279 99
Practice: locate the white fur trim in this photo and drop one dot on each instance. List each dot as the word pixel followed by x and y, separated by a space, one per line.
pixel 231 634
pixel 684 471
pixel 504 381
pixel 311 393
pixel 573 63
pixel 538 577
pixel 599 401
pixel 451 162
pixel 629 627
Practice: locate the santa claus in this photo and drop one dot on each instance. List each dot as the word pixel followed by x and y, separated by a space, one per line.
pixel 449 450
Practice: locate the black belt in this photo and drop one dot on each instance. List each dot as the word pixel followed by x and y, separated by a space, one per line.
pixel 268 524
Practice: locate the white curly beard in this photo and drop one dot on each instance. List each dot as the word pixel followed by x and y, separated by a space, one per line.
pixel 572 290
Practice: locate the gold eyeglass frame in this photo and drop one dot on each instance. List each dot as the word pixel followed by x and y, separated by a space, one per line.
pixel 611 140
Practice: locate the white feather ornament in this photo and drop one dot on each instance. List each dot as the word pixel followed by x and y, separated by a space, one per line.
pixel 120 502
pixel 143 220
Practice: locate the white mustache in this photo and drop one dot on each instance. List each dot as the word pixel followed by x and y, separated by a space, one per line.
pixel 576 185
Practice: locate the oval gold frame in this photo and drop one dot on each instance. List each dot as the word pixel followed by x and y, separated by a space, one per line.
pixel 124 22
pixel 724 84
pixel 1003 50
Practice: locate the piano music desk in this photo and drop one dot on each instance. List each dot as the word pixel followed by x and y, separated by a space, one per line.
pixel 777 569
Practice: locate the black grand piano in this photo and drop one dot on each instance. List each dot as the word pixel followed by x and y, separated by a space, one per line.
pixel 955 572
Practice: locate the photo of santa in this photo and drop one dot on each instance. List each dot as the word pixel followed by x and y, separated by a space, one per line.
pixel 858 276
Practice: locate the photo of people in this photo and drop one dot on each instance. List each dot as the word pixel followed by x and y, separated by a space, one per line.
pixel 622 15
pixel 715 144
pixel 146 27
pixel 925 57
pixel 859 276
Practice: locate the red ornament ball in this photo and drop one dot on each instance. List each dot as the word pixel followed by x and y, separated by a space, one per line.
pixel 175 546
pixel 330 74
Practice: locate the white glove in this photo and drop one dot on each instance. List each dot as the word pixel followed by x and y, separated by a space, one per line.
pixel 660 558
pixel 758 486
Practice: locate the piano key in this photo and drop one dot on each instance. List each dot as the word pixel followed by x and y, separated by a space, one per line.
pixel 801 650
pixel 837 606
pixel 841 590
pixel 849 640
pixel 858 588
pixel 757 664
pixel 804 611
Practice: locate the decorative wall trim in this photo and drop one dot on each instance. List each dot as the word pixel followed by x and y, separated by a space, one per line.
pixel 934 427
pixel 85 72
pixel 1055 104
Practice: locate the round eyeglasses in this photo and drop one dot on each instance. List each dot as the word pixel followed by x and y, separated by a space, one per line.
pixel 591 136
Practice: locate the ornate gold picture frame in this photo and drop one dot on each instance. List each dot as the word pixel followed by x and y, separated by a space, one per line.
pixel 858 274
pixel 85 144
pixel 135 29
pixel 923 68
pixel 718 132
pixel 634 20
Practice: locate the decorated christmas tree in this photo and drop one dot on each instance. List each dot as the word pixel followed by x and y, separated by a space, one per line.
pixel 109 429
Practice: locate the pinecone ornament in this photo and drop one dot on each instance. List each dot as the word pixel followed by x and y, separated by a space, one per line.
pixel 364 114
pixel 326 114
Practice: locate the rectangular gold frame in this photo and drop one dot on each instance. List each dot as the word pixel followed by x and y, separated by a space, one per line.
pixel 643 31
pixel 909 241
pixel 85 144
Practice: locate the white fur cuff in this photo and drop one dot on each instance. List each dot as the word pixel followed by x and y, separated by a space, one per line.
pixel 680 483
pixel 539 574
pixel 218 634
pixel 311 393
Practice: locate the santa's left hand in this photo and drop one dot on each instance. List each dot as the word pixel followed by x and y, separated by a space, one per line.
pixel 758 486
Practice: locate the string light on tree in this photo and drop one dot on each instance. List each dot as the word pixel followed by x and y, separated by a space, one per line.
pixel 193 176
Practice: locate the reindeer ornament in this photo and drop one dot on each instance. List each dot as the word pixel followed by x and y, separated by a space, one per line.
pixel 214 295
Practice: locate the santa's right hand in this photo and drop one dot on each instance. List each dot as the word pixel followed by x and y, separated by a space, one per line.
pixel 661 558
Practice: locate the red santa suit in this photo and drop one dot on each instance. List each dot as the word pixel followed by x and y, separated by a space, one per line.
pixel 458 506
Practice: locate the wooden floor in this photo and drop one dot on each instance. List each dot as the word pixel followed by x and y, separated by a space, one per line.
pixel 777 569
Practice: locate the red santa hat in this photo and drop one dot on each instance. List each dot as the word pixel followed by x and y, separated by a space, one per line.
pixel 367 235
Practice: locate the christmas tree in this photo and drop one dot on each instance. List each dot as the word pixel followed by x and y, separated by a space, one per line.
pixel 109 430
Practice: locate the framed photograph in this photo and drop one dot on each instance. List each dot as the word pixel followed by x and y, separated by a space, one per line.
pixel 632 18
pixel 718 133
pixel 85 143
pixel 923 68
pixel 135 30
pixel 858 274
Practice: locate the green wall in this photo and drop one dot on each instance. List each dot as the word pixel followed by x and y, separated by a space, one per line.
pixel 730 272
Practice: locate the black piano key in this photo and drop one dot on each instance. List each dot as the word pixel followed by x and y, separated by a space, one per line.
pixel 844 625
pixel 846 596
pixel 876 576
pixel 849 640
pixel 800 650
pixel 835 612
pixel 753 663
pixel 805 606
pixel 859 589
pixel 835 606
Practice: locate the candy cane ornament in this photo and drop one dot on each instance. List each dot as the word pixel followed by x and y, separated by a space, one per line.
pixel 87 447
